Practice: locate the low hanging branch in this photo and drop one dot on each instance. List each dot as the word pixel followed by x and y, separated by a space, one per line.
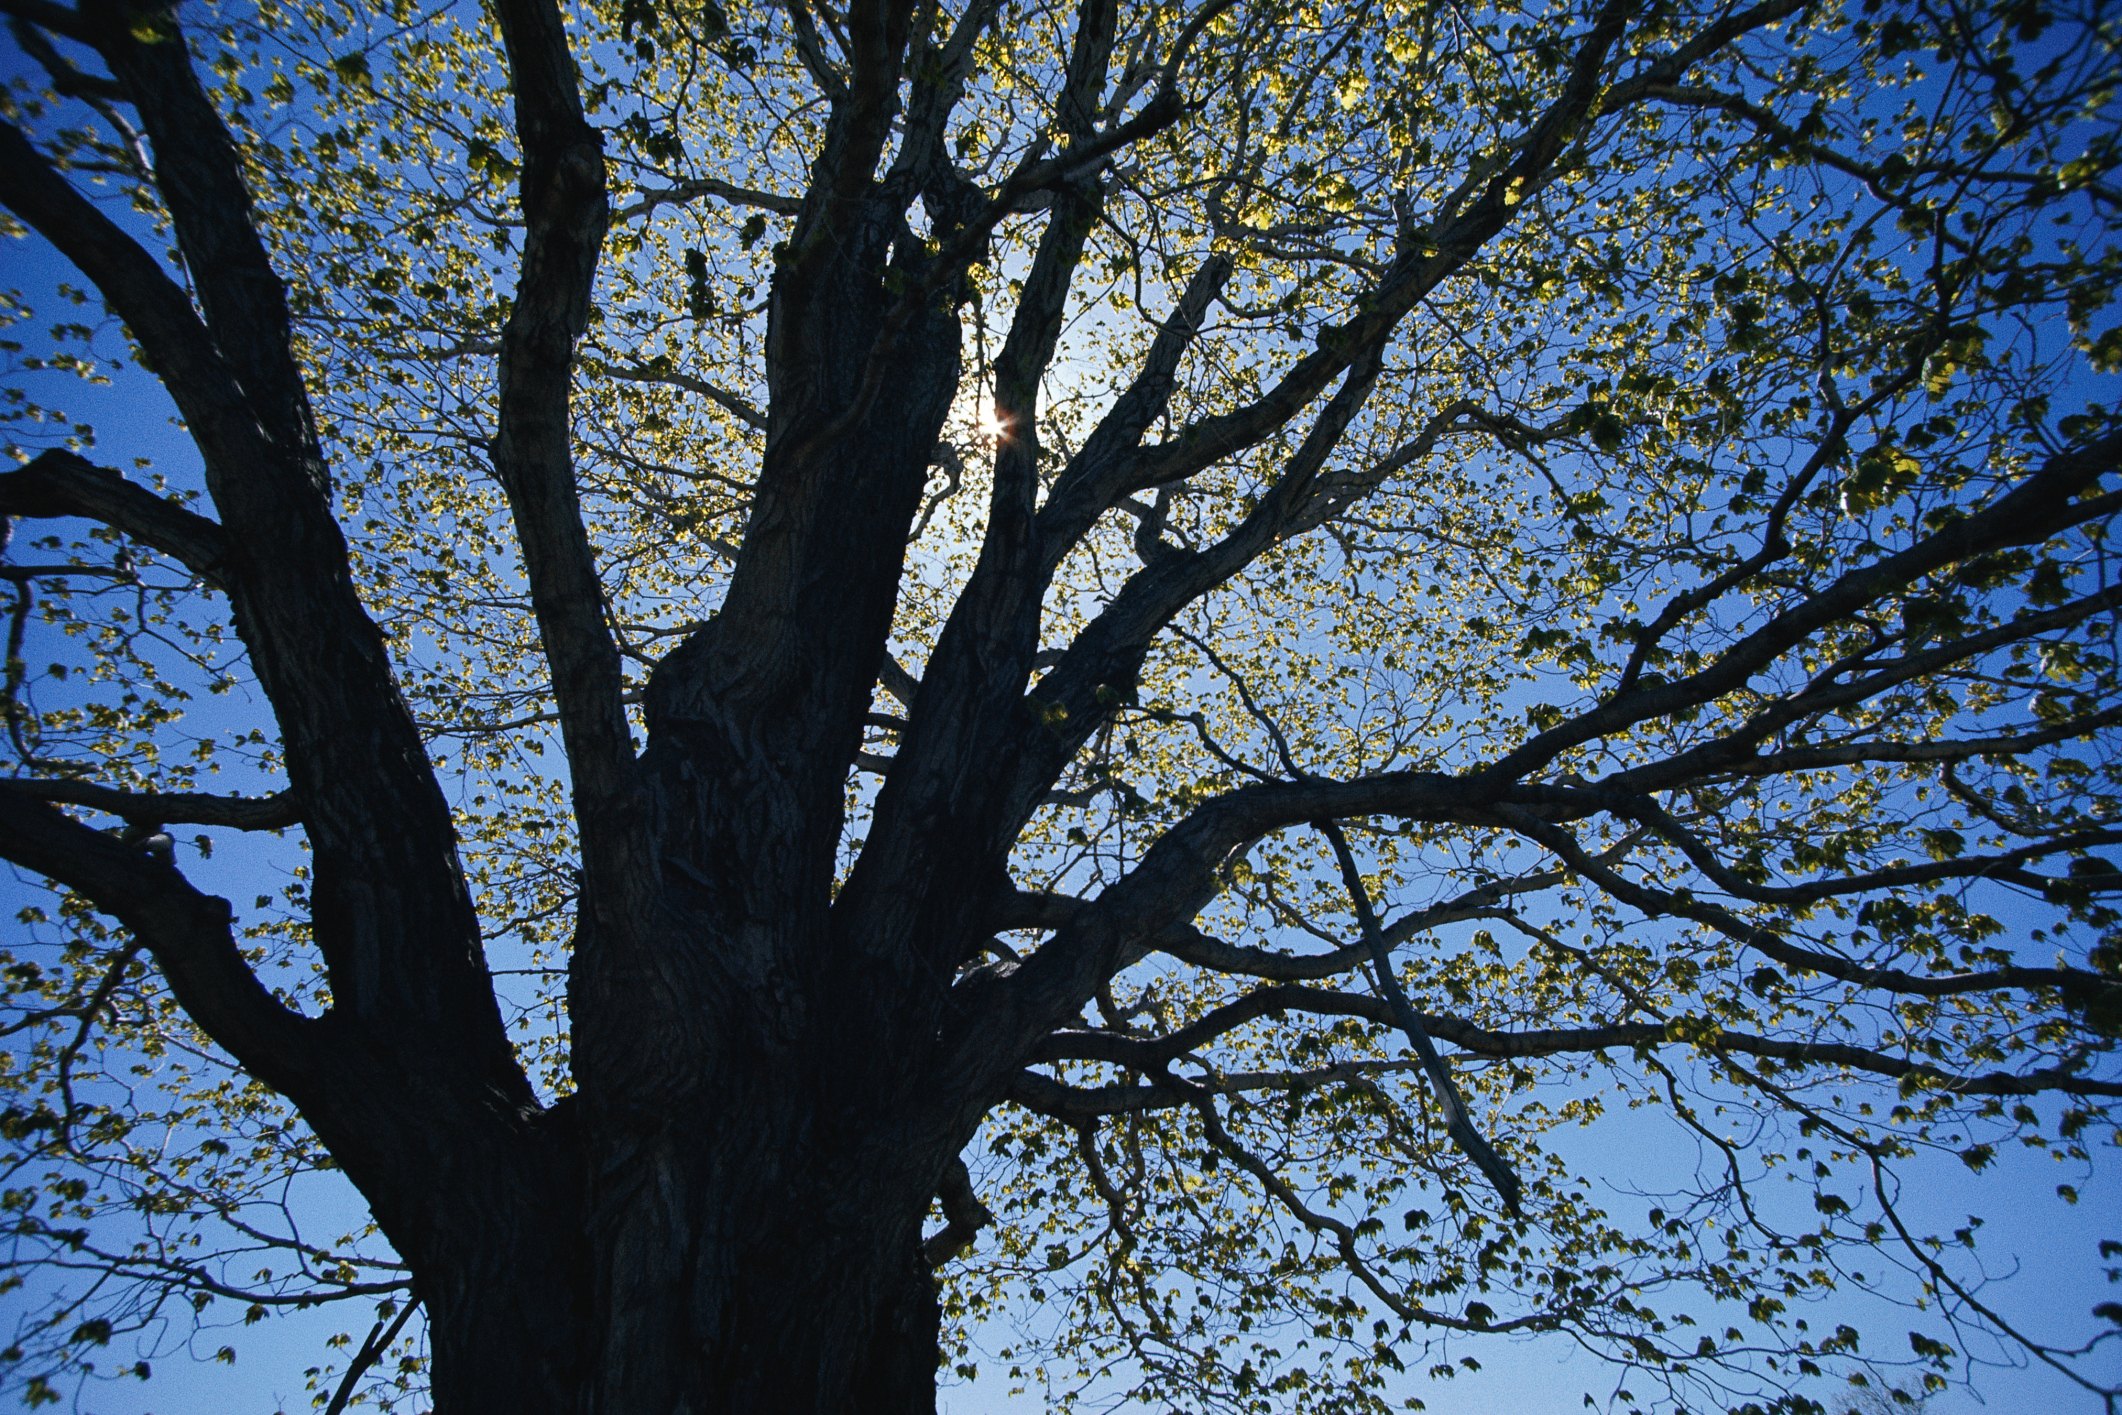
pixel 1469 1140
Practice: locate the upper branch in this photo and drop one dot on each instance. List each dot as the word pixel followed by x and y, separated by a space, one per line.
pixel 566 211
pixel 843 177
pixel 1460 1125
pixel 200 179
pixel 922 163
pixel 1424 261
pixel 2037 508
pixel 1151 1056
pixel 1007 1015
pixel 2075 983
pixel 153 306
pixel 392 915
pixel 1843 685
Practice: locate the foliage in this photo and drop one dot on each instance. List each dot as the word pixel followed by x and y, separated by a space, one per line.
pixel 1643 471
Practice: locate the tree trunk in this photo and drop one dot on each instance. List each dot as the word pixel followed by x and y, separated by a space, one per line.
pixel 714 1268
pixel 760 1265
pixel 726 1216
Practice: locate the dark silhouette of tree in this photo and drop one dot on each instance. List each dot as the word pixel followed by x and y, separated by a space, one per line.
pixel 1130 652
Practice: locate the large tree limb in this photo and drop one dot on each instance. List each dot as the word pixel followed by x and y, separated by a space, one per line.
pixel 200 179
pixel 392 915
pixel 842 177
pixel 274 812
pixel 566 210
pixel 60 483
pixel 1005 1013
pixel 154 307
pixel 922 164
pixel 189 933
pixel 1151 1056
pixel 986 652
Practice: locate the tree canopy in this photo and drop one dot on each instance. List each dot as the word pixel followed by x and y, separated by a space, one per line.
pixel 1146 654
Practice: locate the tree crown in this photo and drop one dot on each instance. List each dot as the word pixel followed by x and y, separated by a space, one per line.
pixel 1317 598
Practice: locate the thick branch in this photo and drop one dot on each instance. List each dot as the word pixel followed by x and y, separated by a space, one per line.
pixel 566 210
pixel 59 483
pixel 1150 1056
pixel 189 933
pixel 199 177
pixel 1666 826
pixel 274 812
pixel 1950 750
pixel 1007 1015
pixel 153 306
pixel 963 1216
pixel 392 915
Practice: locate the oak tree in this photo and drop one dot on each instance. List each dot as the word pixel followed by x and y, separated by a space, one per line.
pixel 820 674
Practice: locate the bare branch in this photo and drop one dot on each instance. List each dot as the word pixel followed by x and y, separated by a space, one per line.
pixel 721 397
pixel 650 200
pixel 566 211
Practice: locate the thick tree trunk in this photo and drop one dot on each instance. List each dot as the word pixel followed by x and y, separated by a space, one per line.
pixel 720 1272
pixel 726 1216
pixel 765 1265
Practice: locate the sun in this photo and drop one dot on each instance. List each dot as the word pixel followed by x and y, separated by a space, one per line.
pixel 992 425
